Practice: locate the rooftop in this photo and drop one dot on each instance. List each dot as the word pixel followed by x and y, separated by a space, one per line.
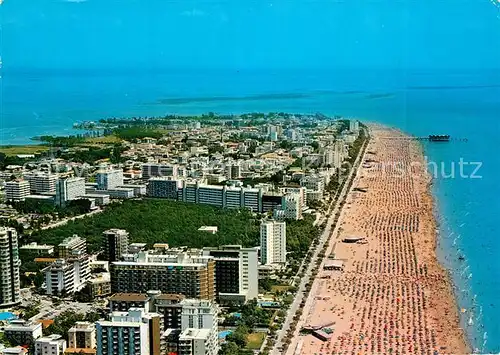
pixel 130 297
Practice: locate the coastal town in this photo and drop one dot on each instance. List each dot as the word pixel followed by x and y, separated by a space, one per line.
pixel 172 235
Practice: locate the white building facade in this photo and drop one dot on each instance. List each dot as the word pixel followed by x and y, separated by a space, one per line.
pixel 10 284
pixel 69 190
pixel 108 179
pixel 17 190
pixel 272 242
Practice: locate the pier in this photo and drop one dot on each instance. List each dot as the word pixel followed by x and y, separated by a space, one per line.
pixel 431 138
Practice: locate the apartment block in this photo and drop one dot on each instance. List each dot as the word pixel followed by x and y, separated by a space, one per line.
pixel 170 307
pixel 21 332
pixel 236 273
pixel 195 329
pixel 51 345
pixel 135 332
pixel 221 196
pixel 9 268
pixel 69 189
pixel 197 342
pixel 34 247
pixel 163 187
pixel 233 171
pixel 122 302
pixel 272 242
pixel 67 275
pixel 82 337
pixel 176 272
pixel 108 179
pixel 42 183
pixel 115 244
pixel 74 245
pixel 17 190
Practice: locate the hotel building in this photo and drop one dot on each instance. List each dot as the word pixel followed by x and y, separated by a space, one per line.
pixel 9 268
pixel 163 187
pixel 272 242
pixel 177 272
pixel 42 183
pixel 81 337
pixel 108 179
pixel 236 273
pixel 135 332
pixel 17 190
pixel 115 242
pixel 69 189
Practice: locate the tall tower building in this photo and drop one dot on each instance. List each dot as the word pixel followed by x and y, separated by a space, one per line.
pixel 9 268
pixel 272 242
pixel 115 242
pixel 236 273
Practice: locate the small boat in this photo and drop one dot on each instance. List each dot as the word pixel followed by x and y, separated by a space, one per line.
pixel 461 258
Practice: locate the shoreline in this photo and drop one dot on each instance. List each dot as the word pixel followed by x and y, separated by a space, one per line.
pixel 393 295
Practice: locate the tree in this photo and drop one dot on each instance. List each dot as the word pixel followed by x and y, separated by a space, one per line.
pixel 229 348
pixel 239 337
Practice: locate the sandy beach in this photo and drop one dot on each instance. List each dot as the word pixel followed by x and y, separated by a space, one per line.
pixel 392 296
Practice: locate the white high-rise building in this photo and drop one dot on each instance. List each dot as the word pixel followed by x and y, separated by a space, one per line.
pixel 108 179
pixel 236 273
pixel 340 153
pixel 315 183
pixel 293 206
pixel 272 242
pixel 115 242
pixel 67 276
pixel 135 332
pixel 198 328
pixel 69 189
pixel 9 268
pixel 17 190
pixel 354 126
pixel 42 183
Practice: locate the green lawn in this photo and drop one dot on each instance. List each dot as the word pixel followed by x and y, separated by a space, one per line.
pixel 255 340
pixel 280 288
pixel 13 150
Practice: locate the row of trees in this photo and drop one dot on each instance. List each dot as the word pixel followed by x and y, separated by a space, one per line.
pixel 75 207
pixel 136 132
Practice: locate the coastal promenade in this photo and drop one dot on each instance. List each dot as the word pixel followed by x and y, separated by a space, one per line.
pixel 391 296
pixel 300 296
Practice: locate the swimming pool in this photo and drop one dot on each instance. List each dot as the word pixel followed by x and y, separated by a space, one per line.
pixel 7 316
pixel 224 334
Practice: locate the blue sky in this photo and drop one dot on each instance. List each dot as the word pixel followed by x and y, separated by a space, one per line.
pixel 251 34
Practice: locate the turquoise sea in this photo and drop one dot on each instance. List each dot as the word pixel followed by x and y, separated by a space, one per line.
pixel 424 67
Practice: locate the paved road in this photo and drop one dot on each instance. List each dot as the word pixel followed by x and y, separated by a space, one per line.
pixel 64 221
pixel 300 296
